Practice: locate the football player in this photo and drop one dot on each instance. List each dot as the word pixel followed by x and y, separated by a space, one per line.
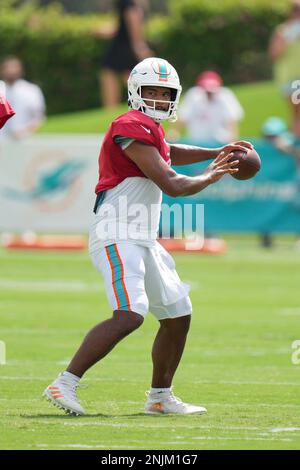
pixel 139 274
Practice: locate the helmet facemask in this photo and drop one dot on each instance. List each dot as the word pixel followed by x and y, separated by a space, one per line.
pixel 157 115
pixel 154 72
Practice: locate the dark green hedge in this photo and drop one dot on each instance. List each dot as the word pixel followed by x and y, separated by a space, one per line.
pixel 231 36
pixel 59 52
pixel 62 55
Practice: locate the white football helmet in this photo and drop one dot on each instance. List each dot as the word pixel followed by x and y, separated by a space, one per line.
pixel 154 72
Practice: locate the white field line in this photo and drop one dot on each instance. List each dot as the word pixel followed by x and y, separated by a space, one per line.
pixel 199 382
pixel 242 352
pixel 107 403
pixel 8 303
pixel 153 423
pixel 289 311
pixel 285 430
pixel 85 446
pixel 39 331
pixel 241 382
pixel 24 400
pixel 51 378
pixel 162 443
pixel 76 257
pixel 256 405
pixel 124 379
pixel 221 438
pixel 52 286
pixel 159 425
pixel 46 331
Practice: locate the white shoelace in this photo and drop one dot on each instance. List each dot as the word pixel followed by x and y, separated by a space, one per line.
pixel 71 388
pixel 177 400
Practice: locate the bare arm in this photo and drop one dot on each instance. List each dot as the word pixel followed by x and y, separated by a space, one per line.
pixel 29 129
pixel 277 45
pixel 150 162
pixel 287 148
pixel 187 154
pixel 181 154
pixel 134 22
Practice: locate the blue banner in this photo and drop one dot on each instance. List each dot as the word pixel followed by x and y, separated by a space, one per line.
pixel 269 202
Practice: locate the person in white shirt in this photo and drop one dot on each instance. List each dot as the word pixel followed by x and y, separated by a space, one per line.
pixel 26 98
pixel 284 51
pixel 210 112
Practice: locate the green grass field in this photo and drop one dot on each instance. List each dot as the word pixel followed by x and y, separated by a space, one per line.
pixel 260 101
pixel 237 361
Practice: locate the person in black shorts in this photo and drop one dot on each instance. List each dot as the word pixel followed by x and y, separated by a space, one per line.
pixel 127 48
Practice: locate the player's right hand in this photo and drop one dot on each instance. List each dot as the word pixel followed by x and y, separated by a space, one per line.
pixel 221 166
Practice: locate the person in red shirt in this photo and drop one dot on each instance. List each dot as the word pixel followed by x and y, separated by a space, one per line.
pixel 139 274
pixel 6 111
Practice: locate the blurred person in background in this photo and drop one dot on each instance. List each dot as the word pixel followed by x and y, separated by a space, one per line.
pixel 26 98
pixel 6 111
pixel 284 51
pixel 127 48
pixel 210 112
pixel 275 131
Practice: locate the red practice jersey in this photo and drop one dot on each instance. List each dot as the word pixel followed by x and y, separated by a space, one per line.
pixel 6 111
pixel 114 165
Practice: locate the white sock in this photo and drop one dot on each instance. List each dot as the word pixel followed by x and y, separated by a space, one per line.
pixel 155 391
pixel 71 377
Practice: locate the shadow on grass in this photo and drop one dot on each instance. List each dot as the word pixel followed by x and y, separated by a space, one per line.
pixel 96 415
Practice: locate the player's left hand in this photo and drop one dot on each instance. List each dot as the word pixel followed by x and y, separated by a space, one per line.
pixel 242 145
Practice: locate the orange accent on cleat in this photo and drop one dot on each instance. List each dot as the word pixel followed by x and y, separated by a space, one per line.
pixel 63 396
pixel 157 407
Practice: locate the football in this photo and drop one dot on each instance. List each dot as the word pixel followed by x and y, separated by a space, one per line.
pixel 249 164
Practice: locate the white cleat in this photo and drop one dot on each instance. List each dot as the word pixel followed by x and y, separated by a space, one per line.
pixel 167 403
pixel 62 393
